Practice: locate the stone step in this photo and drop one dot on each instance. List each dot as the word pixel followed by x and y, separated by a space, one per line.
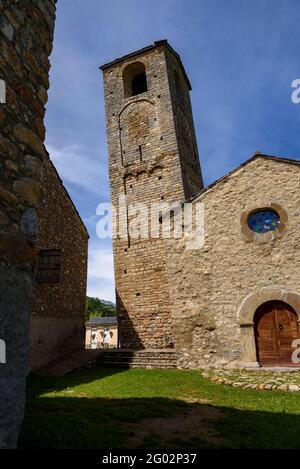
pixel 167 356
pixel 137 360
pixel 139 354
pixel 123 364
pixel 132 355
pixel 151 358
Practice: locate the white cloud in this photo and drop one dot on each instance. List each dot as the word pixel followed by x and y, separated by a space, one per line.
pixel 101 265
pixel 101 273
pixel 76 167
pixel 102 291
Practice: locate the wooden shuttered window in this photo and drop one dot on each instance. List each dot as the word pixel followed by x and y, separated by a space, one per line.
pixel 48 266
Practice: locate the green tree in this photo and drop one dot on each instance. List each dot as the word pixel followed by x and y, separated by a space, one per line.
pixel 96 308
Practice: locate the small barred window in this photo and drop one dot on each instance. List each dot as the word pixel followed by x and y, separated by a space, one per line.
pixel 48 266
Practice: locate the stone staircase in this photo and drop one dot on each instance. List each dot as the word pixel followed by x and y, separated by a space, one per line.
pixel 147 358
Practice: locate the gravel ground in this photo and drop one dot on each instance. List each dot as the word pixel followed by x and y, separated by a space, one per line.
pixel 288 380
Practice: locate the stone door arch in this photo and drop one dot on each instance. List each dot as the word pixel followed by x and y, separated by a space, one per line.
pixel 246 314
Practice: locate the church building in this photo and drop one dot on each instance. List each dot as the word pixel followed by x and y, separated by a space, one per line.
pixel 235 299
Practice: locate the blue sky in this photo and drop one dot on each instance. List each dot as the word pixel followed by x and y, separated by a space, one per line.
pixel 240 55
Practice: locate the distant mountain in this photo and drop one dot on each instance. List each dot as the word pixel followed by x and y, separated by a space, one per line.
pixel 99 308
pixel 109 303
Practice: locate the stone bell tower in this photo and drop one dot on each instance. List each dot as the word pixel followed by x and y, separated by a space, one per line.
pixel 153 158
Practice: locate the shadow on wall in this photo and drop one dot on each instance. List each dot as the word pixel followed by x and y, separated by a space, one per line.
pixel 128 336
pixel 76 419
pixel 51 339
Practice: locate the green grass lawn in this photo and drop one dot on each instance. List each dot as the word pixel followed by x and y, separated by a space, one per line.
pixel 111 408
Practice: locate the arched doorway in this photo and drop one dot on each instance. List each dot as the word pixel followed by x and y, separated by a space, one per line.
pixel 275 328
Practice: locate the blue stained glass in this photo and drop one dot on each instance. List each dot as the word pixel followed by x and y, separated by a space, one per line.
pixel 263 221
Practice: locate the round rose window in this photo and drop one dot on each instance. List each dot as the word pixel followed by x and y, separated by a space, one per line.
pixel 263 221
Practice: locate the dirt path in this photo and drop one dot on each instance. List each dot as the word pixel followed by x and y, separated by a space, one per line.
pixel 192 423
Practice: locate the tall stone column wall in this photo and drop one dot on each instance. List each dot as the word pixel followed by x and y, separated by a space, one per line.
pixel 26 36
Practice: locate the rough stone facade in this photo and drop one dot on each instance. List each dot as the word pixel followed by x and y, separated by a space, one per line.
pixel 216 290
pixel 58 309
pixel 153 158
pixel 26 35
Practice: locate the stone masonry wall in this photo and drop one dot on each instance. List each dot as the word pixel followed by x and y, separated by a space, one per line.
pixel 208 285
pixel 185 131
pixel 145 164
pixel 57 310
pixel 26 35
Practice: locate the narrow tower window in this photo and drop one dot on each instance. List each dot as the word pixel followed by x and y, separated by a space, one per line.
pixel 178 87
pixel 141 154
pixel 134 79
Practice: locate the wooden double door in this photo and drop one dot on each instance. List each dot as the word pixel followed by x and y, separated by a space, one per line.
pixel 275 326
